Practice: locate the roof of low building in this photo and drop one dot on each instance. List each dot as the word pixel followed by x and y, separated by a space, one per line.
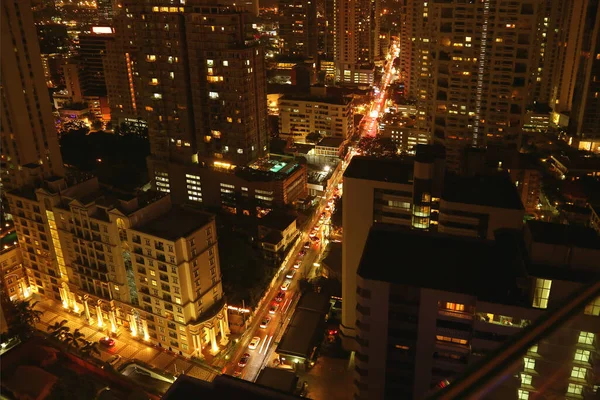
pixel 394 170
pixel 313 301
pixel 328 99
pixel 276 378
pixel 277 220
pixel 300 335
pixel 273 237
pixel 561 234
pixel 331 142
pixel 177 223
pixel 493 190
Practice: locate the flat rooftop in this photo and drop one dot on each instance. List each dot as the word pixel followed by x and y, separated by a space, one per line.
pixel 496 190
pixel 176 223
pixel 313 301
pixel 300 335
pixel 327 99
pixel 331 142
pixel 394 170
pixel 461 265
pixel 566 235
pixel 278 220
pixel 277 378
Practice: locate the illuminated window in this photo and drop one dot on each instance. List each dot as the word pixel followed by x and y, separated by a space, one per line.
pixel 229 119
pixel 529 363
pixel 575 388
pixel 210 63
pixel 213 95
pixel 499 40
pixel 152 273
pixel 578 372
pixel 455 307
pixel 593 308
pixel 150 57
pixel 451 339
pixel 225 63
pixel 542 293
pixel 240 151
pixel 526 379
pixel 214 78
pixel 582 355
pixel 523 394
pixel 172 75
pixel 148 108
pixel 216 134
pixel 468 38
pixel 586 338
pixel 157 95
pixel 154 81
pixel 153 282
pixel 534 349
pixel 177 300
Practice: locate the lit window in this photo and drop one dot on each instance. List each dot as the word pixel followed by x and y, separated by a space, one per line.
pixel 499 40
pixel 575 389
pixel 225 63
pixel 150 57
pixel 455 307
pixel 578 372
pixel 216 134
pixel 152 273
pixel 586 338
pixel 523 394
pixel 157 95
pixel 582 355
pixel 153 282
pixel 542 293
pixel 526 379
pixel 240 151
pixel 534 349
pixel 210 63
pixel 468 38
pixel 177 300
pixel 154 81
pixel 148 108
pixel 229 119
pixel 213 95
pixel 172 75
pixel 593 308
pixel 214 78
pixel 529 363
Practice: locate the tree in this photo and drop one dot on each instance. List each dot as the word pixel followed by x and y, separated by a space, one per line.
pixel 57 329
pixel 313 137
pixel 26 318
pixel 97 124
pixel 74 339
pixel 90 348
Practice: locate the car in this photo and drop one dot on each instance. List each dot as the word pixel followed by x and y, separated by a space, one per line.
pixel 265 322
pixel 106 341
pixel 238 374
pixel 254 342
pixel 302 253
pixel 286 284
pixel 280 296
pixel 244 360
pixel 274 307
pixel 313 233
pixel 315 239
pixel 291 273
pixel 306 245
pixel 113 360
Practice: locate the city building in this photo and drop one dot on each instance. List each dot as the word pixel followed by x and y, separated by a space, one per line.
pixel 417 194
pixel 276 231
pixel 424 319
pixel 197 77
pixel 15 280
pixel 595 217
pixel 401 130
pixel 301 115
pixel 72 83
pixel 472 64
pixel 92 50
pixel 134 265
pixel 298 32
pixel 356 48
pixel 330 147
pixel 29 140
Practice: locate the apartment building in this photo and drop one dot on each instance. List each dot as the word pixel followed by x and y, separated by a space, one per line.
pixel 300 115
pixel 430 316
pixel 356 49
pixel 15 280
pixel 298 34
pixel 134 265
pixel 418 194
pixel 92 50
pixel 471 66
pixel 29 141
pixel 197 76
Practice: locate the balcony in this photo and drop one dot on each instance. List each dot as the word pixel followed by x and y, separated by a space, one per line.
pixel 136 239
pixel 138 250
pixel 455 314
pixel 141 270
pixel 161 257
pixel 164 278
pixel 147 299
pixel 163 268
pixel 166 297
pixel 172 326
pixel 144 289
pixel 159 247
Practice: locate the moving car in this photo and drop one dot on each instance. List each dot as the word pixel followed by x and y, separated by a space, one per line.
pixel 291 273
pixel 106 341
pixel 254 343
pixel 280 296
pixel 274 308
pixel 265 322
pixel 113 360
pixel 297 264
pixel 244 360
pixel 302 253
pixel 286 284
pixel 238 374
pixel 306 245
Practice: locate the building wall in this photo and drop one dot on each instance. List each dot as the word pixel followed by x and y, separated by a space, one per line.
pixel 298 27
pixel 28 129
pixel 15 282
pixel 298 118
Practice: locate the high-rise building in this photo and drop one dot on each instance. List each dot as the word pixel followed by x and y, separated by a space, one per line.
pixel 417 195
pixel 197 76
pixel 429 306
pixel 356 40
pixel 584 119
pixel 472 63
pixel 92 50
pixel 29 141
pixel 298 32
pixel 126 263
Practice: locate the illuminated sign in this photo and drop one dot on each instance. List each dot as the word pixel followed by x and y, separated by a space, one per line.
pixel 102 30
pixel 238 309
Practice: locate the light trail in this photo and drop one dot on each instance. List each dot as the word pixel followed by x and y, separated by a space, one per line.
pixel 262 345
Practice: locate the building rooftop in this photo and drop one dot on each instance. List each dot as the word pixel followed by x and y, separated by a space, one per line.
pixel 177 223
pixel 223 387
pixel 276 378
pixel 301 334
pixel 457 264
pixel 560 234
pixel 494 190
pixel 331 142
pixel 328 99
pixel 277 220
pixel 313 301
pixel 395 170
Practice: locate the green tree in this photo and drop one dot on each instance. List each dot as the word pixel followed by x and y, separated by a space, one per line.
pixel 74 339
pixel 90 348
pixel 313 137
pixel 26 318
pixel 57 329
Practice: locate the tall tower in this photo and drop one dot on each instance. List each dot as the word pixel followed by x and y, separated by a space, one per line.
pixel 298 27
pixel 472 70
pixel 357 40
pixel 29 141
